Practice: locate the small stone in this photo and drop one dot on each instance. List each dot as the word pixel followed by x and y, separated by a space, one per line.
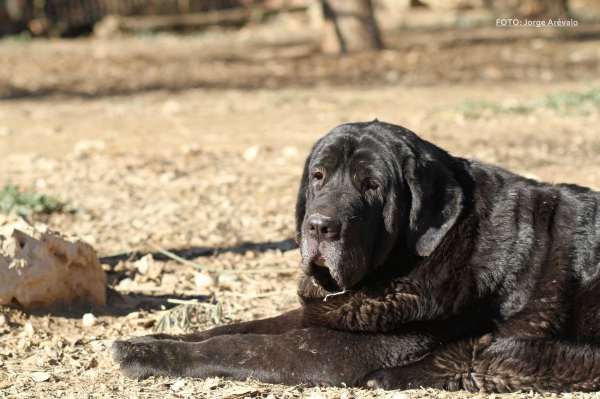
pixel 40 376
pixel 29 330
pixel 143 265
pixel 204 280
pixel 89 320
pixel 251 153
pixel 270 396
pixel 3 320
pixel 178 385
pixel 401 396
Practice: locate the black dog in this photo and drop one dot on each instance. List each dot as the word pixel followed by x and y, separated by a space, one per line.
pixel 419 269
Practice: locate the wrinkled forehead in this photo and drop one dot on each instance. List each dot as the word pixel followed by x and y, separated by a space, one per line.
pixel 343 148
pixel 352 149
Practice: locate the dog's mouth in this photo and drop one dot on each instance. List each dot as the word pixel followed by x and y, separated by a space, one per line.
pixel 321 275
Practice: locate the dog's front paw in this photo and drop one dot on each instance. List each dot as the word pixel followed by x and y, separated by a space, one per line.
pixel 134 358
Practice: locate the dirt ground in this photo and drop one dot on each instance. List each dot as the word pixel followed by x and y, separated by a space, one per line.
pixel 166 142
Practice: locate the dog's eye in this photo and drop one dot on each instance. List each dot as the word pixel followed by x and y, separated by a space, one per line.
pixel 371 185
pixel 318 175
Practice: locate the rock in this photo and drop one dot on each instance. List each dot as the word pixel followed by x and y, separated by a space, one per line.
pixel 29 330
pixel 88 320
pixel 40 267
pixel 204 280
pixel 251 153
pixel 3 320
pixel 401 396
pixel 146 266
pixel 179 384
pixel 40 376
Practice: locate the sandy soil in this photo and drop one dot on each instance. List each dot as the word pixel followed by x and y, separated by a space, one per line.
pixel 149 154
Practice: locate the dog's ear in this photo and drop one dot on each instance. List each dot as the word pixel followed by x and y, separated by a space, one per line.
pixel 301 200
pixel 437 199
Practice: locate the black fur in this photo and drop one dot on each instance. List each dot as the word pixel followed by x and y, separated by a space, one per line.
pixel 449 273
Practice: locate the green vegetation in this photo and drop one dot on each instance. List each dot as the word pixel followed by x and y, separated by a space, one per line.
pixel 562 103
pixel 13 201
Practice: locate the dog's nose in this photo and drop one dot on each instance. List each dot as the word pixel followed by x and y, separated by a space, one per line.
pixel 323 227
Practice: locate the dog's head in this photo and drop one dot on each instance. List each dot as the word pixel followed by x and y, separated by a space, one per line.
pixel 367 189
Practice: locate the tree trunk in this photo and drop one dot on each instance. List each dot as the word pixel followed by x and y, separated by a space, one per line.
pixel 544 9
pixel 349 27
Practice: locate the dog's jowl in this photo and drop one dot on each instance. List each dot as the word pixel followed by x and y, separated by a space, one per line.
pixel 448 273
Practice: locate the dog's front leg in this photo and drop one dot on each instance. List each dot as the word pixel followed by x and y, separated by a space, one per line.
pixel 313 355
pixel 274 325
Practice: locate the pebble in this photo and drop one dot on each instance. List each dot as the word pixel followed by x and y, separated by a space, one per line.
pixel 3 320
pixel 178 385
pixel 204 280
pixel 402 396
pixel 29 330
pixel 88 320
pixel 251 153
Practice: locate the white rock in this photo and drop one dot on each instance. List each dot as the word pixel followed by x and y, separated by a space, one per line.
pixel 204 280
pixel 40 267
pixel 29 330
pixel 40 376
pixel 401 396
pixel 251 153
pixel 88 320
pixel 145 264
pixel 178 385
pixel 3 320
